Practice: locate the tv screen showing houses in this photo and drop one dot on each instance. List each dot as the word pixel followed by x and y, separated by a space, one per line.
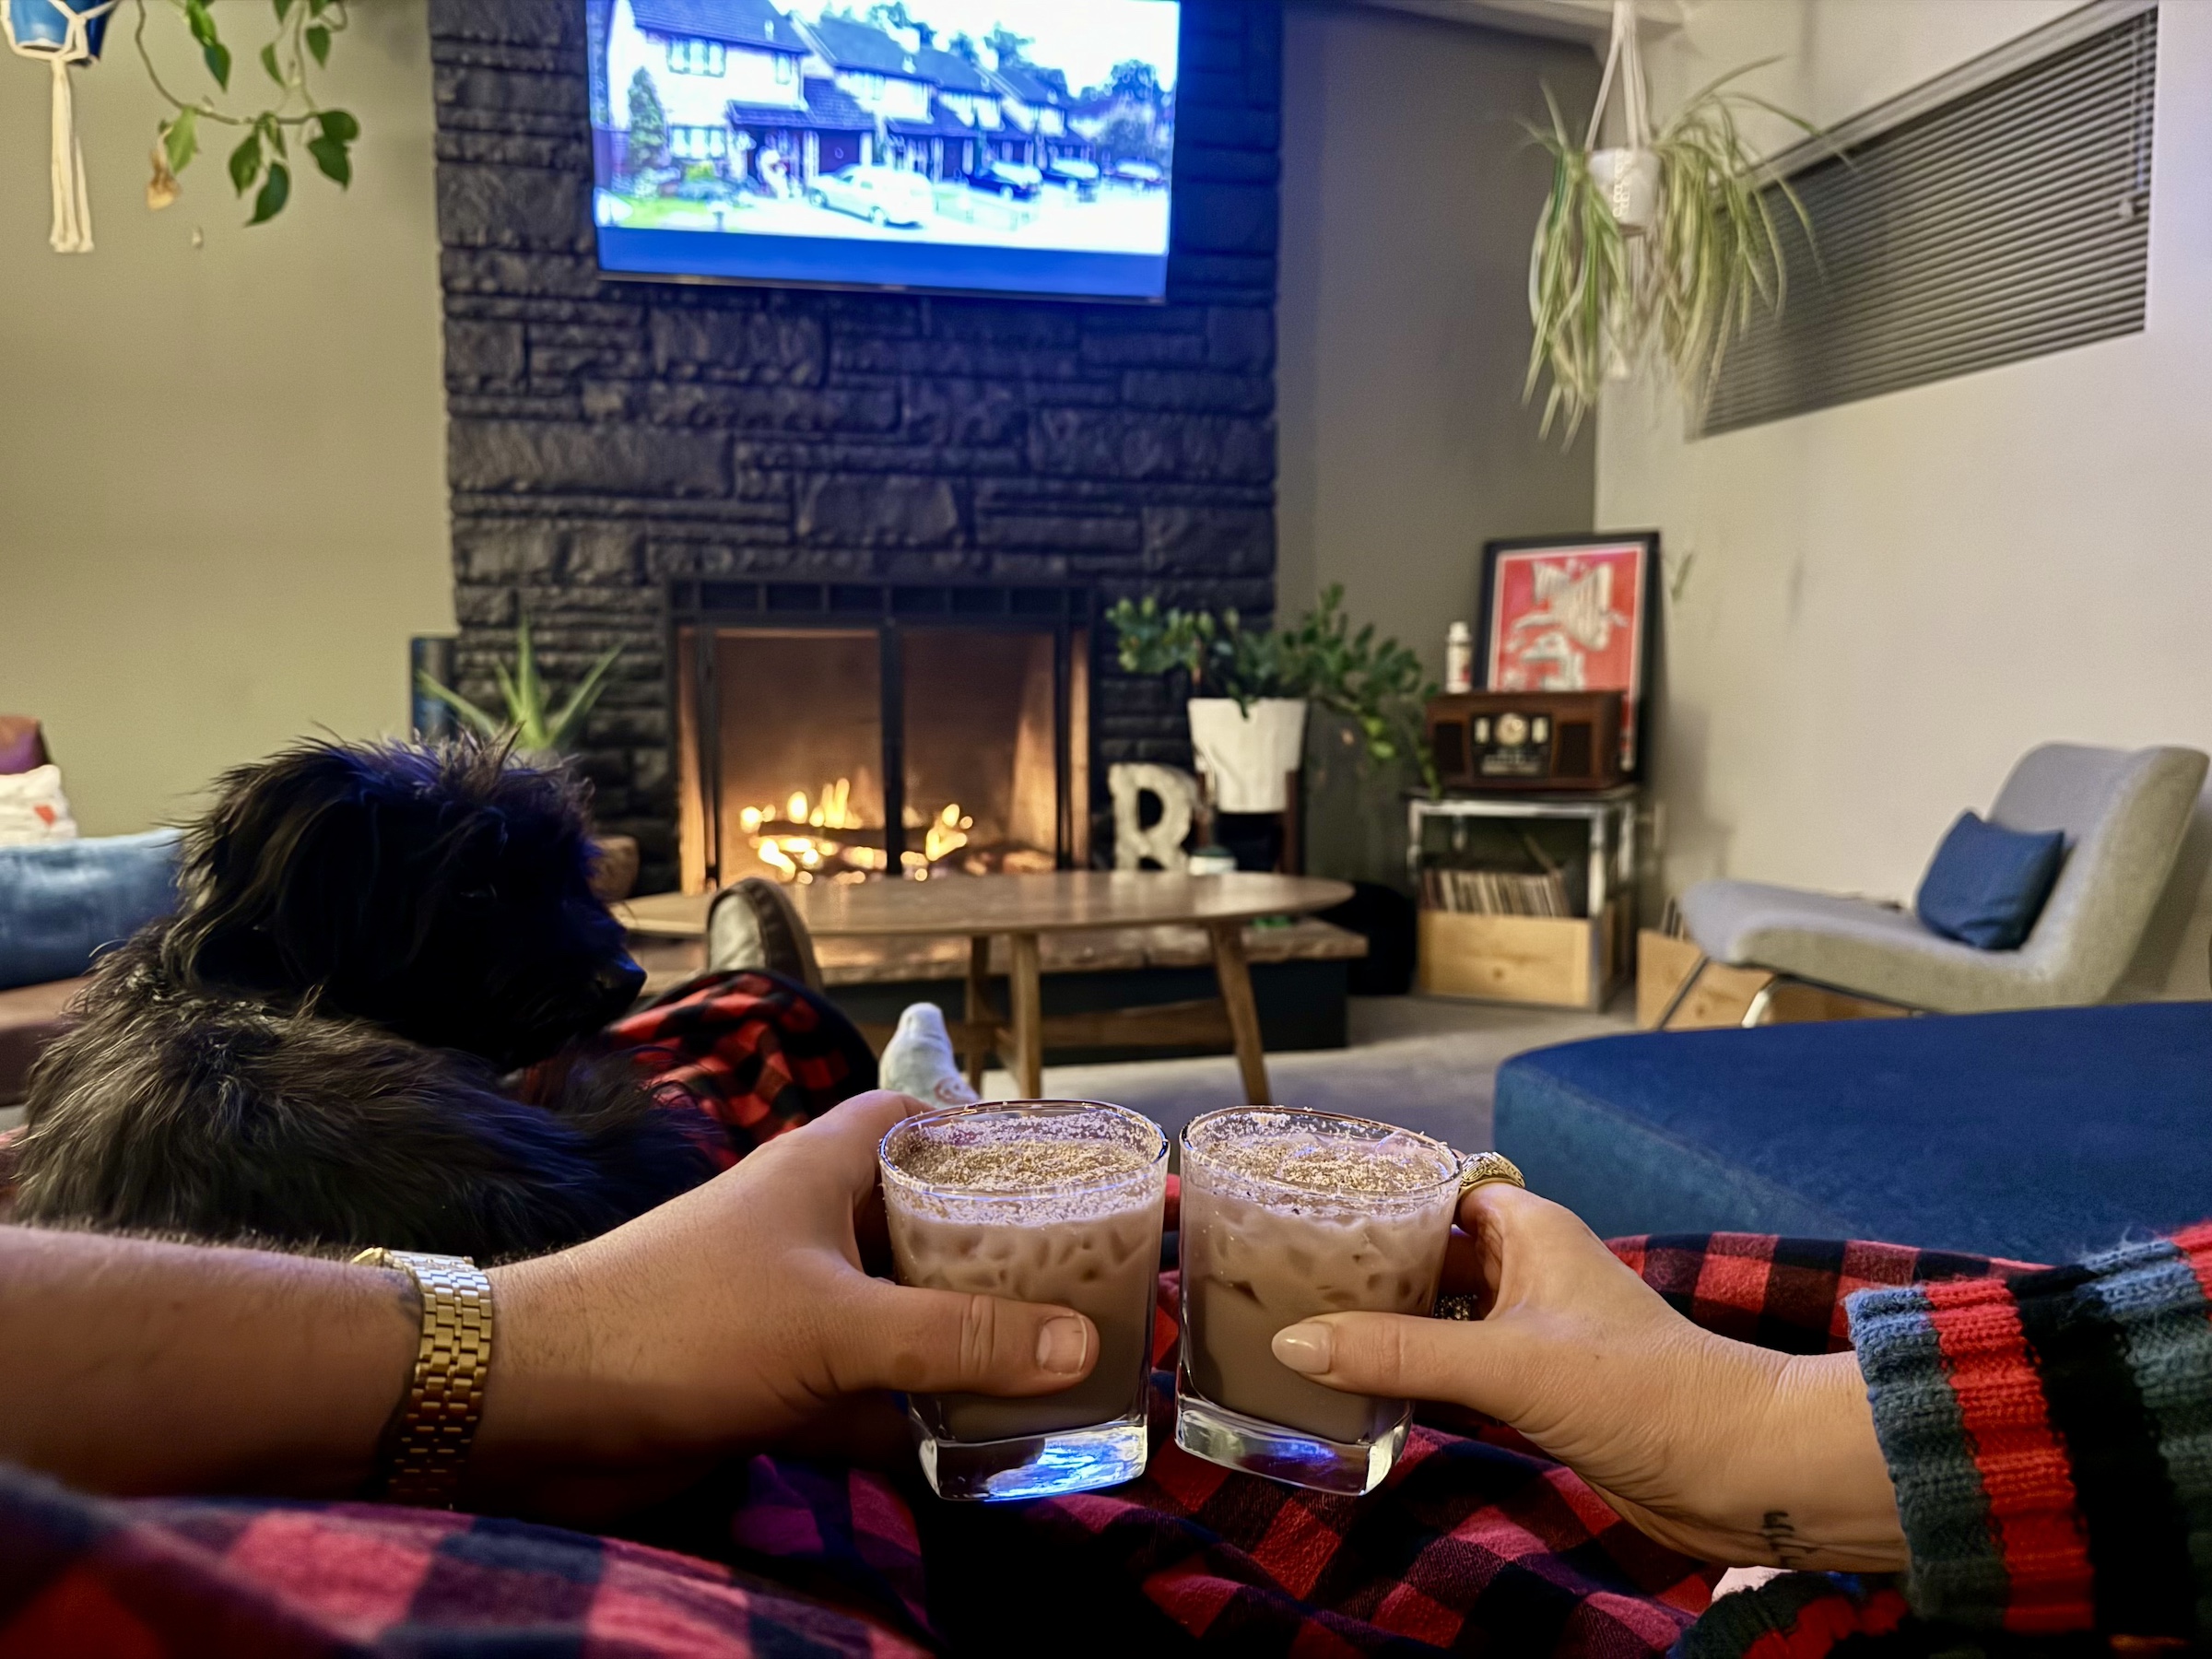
pixel 968 146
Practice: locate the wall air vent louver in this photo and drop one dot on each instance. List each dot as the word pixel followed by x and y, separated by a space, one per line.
pixel 1957 233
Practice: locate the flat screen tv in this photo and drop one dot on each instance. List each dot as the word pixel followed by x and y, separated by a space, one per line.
pixel 1016 147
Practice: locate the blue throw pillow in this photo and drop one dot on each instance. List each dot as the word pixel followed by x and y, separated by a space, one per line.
pixel 1987 886
pixel 62 901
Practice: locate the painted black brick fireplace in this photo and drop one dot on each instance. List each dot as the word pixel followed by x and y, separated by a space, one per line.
pixel 611 441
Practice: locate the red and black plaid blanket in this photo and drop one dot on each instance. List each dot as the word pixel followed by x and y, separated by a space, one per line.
pixel 1475 1544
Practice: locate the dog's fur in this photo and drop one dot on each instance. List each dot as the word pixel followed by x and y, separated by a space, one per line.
pixel 310 1050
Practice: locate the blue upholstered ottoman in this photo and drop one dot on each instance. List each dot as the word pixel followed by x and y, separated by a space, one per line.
pixel 2037 1134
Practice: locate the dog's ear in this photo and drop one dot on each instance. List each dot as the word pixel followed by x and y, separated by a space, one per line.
pixel 287 875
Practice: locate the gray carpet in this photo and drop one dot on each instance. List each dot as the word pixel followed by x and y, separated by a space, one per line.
pixel 1420 1062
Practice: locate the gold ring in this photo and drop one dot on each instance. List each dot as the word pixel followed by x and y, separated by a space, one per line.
pixel 1486 1167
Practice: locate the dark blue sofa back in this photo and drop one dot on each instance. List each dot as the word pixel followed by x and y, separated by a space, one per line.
pixel 61 902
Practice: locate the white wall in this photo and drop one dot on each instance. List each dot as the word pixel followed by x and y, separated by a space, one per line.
pixel 1888 602
pixel 222 477
pixel 1408 195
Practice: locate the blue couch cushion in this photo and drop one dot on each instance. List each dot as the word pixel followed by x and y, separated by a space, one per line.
pixel 2037 1134
pixel 1987 886
pixel 62 901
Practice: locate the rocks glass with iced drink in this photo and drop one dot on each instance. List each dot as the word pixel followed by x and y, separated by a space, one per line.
pixel 1287 1214
pixel 1042 1201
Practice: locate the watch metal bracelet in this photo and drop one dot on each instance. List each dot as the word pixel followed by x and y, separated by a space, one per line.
pixel 437 1422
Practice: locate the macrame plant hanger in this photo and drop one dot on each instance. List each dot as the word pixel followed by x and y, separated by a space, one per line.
pixel 1628 172
pixel 1627 175
pixel 64 36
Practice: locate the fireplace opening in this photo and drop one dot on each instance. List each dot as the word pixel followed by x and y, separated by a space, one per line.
pixel 836 732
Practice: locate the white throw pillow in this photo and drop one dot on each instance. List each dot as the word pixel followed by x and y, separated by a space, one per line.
pixel 33 808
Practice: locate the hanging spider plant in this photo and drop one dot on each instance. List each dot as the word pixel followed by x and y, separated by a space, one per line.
pixel 1664 246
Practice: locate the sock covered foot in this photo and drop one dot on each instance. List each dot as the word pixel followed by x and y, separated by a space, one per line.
pixel 919 1059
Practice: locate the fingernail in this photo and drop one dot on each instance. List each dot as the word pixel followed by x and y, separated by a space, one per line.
pixel 1306 1347
pixel 1061 1346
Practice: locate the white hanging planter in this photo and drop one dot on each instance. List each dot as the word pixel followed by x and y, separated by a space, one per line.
pixel 1248 754
pixel 1628 180
pixel 1626 176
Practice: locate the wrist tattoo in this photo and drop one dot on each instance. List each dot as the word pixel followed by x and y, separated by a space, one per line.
pixel 1780 1534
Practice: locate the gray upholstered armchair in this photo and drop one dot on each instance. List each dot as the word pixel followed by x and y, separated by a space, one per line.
pixel 2123 815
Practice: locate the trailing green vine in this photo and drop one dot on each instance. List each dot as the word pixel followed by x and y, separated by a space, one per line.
pixel 261 160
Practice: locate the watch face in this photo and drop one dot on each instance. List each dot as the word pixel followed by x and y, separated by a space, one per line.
pixel 1513 730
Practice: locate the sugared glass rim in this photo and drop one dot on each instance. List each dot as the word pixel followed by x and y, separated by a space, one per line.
pixel 1453 1161
pixel 1148 1171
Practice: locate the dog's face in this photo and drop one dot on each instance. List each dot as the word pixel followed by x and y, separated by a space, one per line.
pixel 444 894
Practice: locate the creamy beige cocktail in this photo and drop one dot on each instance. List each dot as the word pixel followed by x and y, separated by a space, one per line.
pixel 1289 1214
pixel 1042 1202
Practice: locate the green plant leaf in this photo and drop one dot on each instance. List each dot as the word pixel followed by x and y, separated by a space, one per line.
pixel 331 158
pixel 274 189
pixel 268 62
pixel 245 163
pixel 528 730
pixel 487 725
pixel 213 53
pixel 318 41
pixel 181 139
pixel 338 124
pixel 284 9
pixel 562 729
pixel 530 690
pixel 271 131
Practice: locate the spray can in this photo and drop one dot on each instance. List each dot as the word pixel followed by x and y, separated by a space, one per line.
pixel 1459 658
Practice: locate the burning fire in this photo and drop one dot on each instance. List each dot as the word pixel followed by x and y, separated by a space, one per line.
pixel 802 842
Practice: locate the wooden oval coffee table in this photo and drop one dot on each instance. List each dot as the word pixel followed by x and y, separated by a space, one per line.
pixel 1024 908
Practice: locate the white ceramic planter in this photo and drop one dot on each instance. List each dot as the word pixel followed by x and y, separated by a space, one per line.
pixel 1249 754
pixel 1628 180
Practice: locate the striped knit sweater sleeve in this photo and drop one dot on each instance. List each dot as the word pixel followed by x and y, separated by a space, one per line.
pixel 2050 1438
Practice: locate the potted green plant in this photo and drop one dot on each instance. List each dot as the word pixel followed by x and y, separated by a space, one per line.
pixel 1660 246
pixel 1246 710
pixel 543 735
pixel 267 128
pixel 537 730
pixel 1250 688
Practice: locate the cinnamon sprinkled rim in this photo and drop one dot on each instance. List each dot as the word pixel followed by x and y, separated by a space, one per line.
pixel 1454 1163
pixel 1146 1170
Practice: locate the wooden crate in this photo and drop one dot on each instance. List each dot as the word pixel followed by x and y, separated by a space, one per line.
pixel 1546 960
pixel 1723 995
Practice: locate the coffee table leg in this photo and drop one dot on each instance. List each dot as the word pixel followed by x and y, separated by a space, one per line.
pixel 1028 1058
pixel 1234 975
pixel 980 1033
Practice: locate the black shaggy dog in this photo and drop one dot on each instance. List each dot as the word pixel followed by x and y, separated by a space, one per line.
pixel 310 1050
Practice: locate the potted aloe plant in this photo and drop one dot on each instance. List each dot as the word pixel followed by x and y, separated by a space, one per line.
pixel 1250 689
pixel 1661 245
pixel 545 735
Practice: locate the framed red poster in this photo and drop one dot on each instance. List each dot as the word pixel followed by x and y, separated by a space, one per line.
pixel 1572 614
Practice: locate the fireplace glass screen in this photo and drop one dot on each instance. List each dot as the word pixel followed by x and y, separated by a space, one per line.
pixel 980 732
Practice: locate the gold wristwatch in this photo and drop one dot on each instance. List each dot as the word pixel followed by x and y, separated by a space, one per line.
pixel 427 1446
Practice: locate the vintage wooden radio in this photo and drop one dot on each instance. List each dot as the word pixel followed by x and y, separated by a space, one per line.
pixel 1556 740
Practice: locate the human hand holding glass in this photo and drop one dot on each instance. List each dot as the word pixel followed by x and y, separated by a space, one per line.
pixel 1727 1451
pixel 738 1316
